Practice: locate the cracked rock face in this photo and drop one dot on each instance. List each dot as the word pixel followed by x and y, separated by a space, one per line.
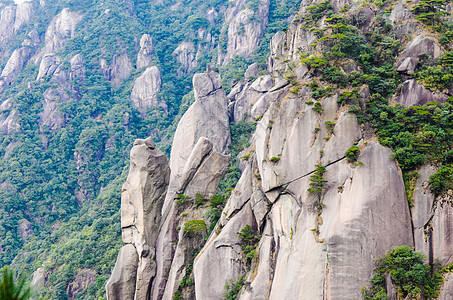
pixel 313 244
pixel 12 17
pixel 304 252
pixel 412 93
pixel 207 117
pixel 149 215
pixel 197 165
pixel 15 64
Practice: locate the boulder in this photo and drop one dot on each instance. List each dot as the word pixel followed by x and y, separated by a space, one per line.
pixel 197 165
pixel 14 65
pixel 49 64
pixel 206 117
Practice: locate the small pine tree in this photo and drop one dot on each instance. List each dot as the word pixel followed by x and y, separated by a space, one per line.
pixel 317 185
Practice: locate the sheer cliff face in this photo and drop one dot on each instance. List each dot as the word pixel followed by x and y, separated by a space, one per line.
pixel 322 219
pixel 154 223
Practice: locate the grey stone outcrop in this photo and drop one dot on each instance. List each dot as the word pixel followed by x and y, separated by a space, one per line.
pixel 142 198
pixel 146 87
pixel 144 56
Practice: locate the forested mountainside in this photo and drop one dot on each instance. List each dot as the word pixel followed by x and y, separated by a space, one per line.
pixel 80 81
pixel 346 168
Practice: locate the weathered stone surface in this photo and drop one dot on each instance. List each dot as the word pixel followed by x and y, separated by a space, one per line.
pixel 432 219
pixel 250 100
pixel 446 292
pixel 244 34
pixel 423 210
pixel 142 198
pixel 7 17
pixel 12 17
pixel 143 194
pixel 186 55
pixel 345 133
pixel 61 28
pixel 201 174
pixel 51 117
pixel 252 71
pixel 8 122
pixel 146 87
pixel 414 94
pixel 24 11
pixel 197 165
pixel 77 67
pixel 121 284
pixel 311 246
pixel 144 56
pixel 261 277
pixel 408 65
pixel 49 64
pixel 421 44
pixel 39 278
pixel 239 196
pixel 262 84
pixel 224 252
pixel 15 64
pixel 203 171
pixel 119 69
pixel 81 281
pixel 207 117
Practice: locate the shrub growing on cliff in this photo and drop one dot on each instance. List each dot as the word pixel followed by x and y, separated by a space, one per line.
pixel 195 226
pixel 249 241
pixel 410 276
pixel 430 11
pixel 232 289
pixel 352 153
pixel 441 181
pixel 215 209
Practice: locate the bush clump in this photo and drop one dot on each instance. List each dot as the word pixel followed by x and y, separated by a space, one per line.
pixel 352 154
pixel 195 226
pixel 410 276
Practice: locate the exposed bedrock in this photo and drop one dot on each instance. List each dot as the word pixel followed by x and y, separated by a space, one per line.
pixel 198 164
pixel 142 198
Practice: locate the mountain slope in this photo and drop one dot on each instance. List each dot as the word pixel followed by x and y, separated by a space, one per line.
pixel 350 161
pixel 81 80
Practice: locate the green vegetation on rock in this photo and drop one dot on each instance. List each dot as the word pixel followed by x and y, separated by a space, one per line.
pixel 408 274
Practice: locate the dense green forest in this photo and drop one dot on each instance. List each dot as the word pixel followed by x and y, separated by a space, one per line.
pixel 60 187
